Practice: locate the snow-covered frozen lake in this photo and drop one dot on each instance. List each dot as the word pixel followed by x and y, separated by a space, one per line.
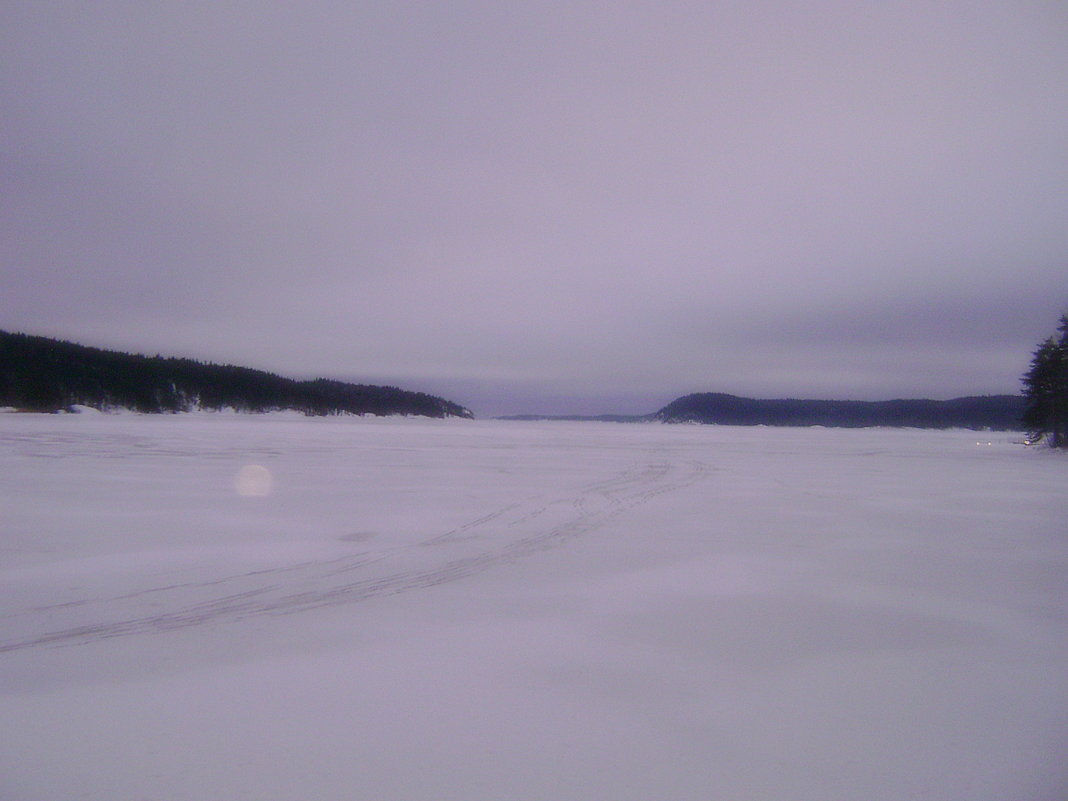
pixel 202 607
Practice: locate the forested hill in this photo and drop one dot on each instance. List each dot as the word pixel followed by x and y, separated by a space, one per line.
pixel 41 374
pixel 1001 412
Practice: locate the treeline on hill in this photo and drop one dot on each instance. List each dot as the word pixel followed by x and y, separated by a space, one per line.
pixel 42 374
pixel 999 412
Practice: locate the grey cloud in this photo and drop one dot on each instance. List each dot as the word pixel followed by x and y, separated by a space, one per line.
pixel 572 201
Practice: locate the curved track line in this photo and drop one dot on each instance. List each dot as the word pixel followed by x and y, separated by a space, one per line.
pixel 309 585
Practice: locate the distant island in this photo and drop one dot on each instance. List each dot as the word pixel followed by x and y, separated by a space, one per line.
pixel 997 412
pixel 48 375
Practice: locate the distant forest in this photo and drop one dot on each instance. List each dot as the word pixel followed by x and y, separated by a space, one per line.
pixel 47 375
pixel 42 374
pixel 998 412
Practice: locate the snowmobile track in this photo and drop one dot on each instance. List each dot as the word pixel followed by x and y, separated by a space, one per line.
pixel 504 535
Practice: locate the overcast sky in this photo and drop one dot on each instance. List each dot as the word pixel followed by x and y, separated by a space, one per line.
pixel 544 206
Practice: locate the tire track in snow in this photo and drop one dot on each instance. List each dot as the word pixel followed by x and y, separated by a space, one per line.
pixel 499 537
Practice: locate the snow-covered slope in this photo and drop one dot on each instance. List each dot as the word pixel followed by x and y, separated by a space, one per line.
pixel 201 607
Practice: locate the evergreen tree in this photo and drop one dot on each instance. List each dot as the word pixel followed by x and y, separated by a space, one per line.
pixel 1046 390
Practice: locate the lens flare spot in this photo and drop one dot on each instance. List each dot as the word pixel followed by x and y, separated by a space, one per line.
pixel 254 481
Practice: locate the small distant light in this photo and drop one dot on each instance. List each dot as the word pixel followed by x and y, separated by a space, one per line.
pixel 253 481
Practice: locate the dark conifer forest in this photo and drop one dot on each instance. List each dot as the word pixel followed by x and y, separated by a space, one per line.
pixel 1046 390
pixel 46 375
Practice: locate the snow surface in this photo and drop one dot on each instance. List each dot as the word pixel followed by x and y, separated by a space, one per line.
pixel 223 607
